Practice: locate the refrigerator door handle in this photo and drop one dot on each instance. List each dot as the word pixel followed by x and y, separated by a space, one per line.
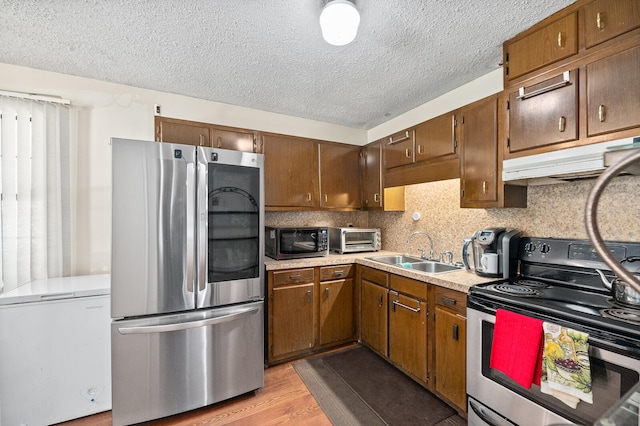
pixel 202 214
pixel 163 328
pixel 190 227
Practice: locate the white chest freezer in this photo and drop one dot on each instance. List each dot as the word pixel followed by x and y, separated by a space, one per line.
pixel 55 352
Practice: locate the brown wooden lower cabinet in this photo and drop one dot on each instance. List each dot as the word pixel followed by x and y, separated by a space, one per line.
pixel 450 343
pixel 374 296
pixel 309 309
pixel 408 334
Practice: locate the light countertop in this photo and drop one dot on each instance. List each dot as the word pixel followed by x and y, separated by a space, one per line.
pixel 460 280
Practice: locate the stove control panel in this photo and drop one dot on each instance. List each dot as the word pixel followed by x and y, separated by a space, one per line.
pixel 587 252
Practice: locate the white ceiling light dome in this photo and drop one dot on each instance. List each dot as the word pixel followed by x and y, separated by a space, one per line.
pixel 339 22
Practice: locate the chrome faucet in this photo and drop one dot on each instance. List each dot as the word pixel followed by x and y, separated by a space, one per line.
pixel 449 256
pixel 422 255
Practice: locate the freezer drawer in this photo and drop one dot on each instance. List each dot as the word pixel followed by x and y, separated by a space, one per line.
pixel 169 364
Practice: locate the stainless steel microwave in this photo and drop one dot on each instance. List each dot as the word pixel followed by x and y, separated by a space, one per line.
pixel 296 242
pixel 353 240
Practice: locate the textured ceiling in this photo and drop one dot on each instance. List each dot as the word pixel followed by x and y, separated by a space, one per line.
pixel 269 54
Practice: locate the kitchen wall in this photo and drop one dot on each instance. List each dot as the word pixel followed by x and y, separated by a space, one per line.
pixel 555 211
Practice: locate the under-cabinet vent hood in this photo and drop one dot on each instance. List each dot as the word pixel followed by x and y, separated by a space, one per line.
pixel 563 165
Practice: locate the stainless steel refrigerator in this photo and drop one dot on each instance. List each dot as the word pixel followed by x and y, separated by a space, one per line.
pixel 187 277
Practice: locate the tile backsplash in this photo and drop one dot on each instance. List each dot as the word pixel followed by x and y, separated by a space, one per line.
pixel 553 211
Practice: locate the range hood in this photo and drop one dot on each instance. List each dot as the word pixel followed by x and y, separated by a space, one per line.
pixel 563 165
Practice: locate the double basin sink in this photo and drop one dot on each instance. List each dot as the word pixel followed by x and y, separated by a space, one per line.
pixel 416 263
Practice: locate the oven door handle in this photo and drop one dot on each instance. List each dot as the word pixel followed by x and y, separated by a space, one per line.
pixel 487 416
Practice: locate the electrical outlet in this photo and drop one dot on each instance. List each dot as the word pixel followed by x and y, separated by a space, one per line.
pixel 156 109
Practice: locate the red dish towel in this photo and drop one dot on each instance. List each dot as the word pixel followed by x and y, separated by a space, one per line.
pixel 517 347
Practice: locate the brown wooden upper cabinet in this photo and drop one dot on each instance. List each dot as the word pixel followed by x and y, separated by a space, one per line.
pixel 436 137
pixel 290 172
pixel 374 195
pixel 481 157
pixel 399 149
pixel 545 113
pixel 552 42
pixel 613 92
pixel 204 134
pixel 606 19
pixel 339 166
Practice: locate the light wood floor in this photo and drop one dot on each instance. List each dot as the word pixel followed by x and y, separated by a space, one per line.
pixel 284 399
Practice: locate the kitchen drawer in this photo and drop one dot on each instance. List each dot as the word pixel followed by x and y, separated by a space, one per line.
pixel 454 300
pixel 336 272
pixel 408 286
pixel 293 276
pixel 375 276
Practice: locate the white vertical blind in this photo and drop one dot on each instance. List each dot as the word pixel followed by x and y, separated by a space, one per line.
pixel 35 164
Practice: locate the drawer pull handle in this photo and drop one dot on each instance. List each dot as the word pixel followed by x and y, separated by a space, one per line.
pixel 448 300
pixel 602 113
pixel 599 21
pixel 562 123
pixel 455 332
pixel 295 277
pixel 402 305
pixel 338 273
pixel 400 139
pixel 565 82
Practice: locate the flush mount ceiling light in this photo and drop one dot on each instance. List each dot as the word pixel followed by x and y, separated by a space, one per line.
pixel 339 22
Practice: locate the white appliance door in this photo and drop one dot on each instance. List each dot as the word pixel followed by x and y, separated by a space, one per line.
pixel 54 360
pixel 169 364
pixel 153 225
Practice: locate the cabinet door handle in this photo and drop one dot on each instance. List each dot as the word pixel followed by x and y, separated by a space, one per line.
pixel 326 293
pixel 562 123
pixel 308 196
pixel 420 150
pixel 309 296
pixel 201 140
pixel 400 139
pixel 409 308
pixel 255 144
pixel 565 82
pixel 599 21
pixel 448 300
pixel 484 186
pixel 407 153
pixel 453 132
pixel 376 197
pixel 602 113
pixel 219 141
pixel 560 41
pixel 455 332
pixel 380 299
pixel 326 198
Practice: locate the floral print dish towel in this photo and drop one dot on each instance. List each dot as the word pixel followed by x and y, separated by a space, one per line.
pixel 566 372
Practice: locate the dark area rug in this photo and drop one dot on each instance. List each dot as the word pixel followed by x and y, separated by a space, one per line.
pixel 355 386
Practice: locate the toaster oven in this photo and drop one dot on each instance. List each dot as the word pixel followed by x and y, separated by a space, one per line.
pixel 353 240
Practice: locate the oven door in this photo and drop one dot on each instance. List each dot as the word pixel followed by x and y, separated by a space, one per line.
pixel 612 376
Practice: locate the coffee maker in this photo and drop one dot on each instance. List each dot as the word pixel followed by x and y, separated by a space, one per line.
pixel 494 251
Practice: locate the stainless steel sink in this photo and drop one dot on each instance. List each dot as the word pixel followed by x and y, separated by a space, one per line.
pixel 396 259
pixel 410 262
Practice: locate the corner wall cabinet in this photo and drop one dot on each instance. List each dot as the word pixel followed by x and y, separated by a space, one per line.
pixel 374 195
pixel 481 183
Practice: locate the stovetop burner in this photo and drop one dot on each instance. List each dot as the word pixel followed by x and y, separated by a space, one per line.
pixel 628 315
pixel 516 289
